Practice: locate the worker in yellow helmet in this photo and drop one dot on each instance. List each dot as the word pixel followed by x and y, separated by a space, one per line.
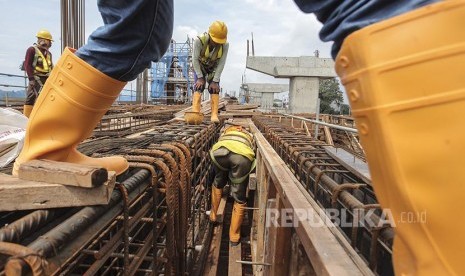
pixel 38 64
pixel 209 58
pixel 233 157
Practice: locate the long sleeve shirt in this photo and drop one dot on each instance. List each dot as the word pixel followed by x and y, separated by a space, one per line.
pixel 30 53
pixel 198 66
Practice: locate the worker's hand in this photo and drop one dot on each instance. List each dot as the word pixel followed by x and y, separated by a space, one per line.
pixel 214 88
pixel 32 83
pixel 199 84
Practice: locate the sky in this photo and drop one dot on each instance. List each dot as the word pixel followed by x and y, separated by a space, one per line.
pixel 279 29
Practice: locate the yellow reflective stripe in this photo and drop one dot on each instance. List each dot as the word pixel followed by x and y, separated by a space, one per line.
pixel 46 62
pixel 220 52
pixel 236 147
pixel 237 139
pixel 205 51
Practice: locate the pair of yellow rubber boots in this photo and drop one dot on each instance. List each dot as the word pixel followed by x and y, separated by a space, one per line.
pixel 236 218
pixel 72 102
pixel 214 100
pixel 405 81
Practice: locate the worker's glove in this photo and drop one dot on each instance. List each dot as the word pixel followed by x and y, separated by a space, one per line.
pixel 199 84
pixel 214 88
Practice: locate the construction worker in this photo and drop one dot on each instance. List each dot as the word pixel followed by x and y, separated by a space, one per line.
pixel 209 58
pixel 84 83
pixel 38 65
pixel 233 157
pixel 402 65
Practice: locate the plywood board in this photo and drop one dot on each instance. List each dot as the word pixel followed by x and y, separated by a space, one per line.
pixel 18 194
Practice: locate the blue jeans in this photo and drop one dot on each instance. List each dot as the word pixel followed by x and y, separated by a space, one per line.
pixel 340 18
pixel 134 34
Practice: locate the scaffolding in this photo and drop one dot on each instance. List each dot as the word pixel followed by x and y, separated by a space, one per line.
pixel 173 75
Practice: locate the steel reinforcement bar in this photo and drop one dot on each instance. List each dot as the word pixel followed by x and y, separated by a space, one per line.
pixel 154 223
pixel 346 199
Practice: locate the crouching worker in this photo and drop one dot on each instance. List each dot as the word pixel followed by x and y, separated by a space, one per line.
pixel 233 157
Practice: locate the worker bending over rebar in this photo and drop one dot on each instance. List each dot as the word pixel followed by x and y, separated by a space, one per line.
pixel 233 157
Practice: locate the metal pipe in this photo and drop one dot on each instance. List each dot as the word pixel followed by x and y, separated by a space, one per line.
pixel 252 263
pixel 348 129
pixel 317 116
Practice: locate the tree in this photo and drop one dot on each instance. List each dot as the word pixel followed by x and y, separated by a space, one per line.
pixel 345 109
pixel 330 94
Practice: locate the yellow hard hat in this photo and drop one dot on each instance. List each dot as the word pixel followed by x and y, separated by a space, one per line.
pixel 44 34
pixel 218 32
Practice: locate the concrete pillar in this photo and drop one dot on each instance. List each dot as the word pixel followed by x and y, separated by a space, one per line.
pixel 303 94
pixel 304 74
pixel 263 93
pixel 267 101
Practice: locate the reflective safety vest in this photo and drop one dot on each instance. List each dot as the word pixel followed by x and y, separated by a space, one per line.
pixel 209 59
pixel 239 143
pixel 42 65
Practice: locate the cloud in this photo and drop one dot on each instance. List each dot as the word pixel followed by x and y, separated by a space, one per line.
pixel 278 26
pixel 180 32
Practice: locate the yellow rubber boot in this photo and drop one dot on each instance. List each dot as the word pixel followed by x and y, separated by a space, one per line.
pixel 72 102
pixel 404 78
pixel 215 100
pixel 27 109
pixel 236 222
pixel 195 117
pixel 196 99
pixel 216 198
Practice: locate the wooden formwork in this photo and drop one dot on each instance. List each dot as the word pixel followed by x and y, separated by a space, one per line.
pixel 312 246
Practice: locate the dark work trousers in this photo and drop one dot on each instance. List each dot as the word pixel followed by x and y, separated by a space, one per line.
pixel 34 90
pixel 238 166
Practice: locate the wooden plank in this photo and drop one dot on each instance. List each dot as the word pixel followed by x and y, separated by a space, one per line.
pixel 270 235
pixel 63 173
pixel 329 253
pixel 252 181
pixel 299 264
pixel 262 194
pixel 211 266
pixel 306 129
pixel 241 107
pixel 229 114
pixel 254 237
pixel 235 268
pixel 328 137
pixel 18 194
pixel 282 247
pixel 350 162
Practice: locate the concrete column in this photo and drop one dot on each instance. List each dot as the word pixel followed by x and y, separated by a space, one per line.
pixel 303 94
pixel 263 93
pixel 304 74
pixel 267 101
